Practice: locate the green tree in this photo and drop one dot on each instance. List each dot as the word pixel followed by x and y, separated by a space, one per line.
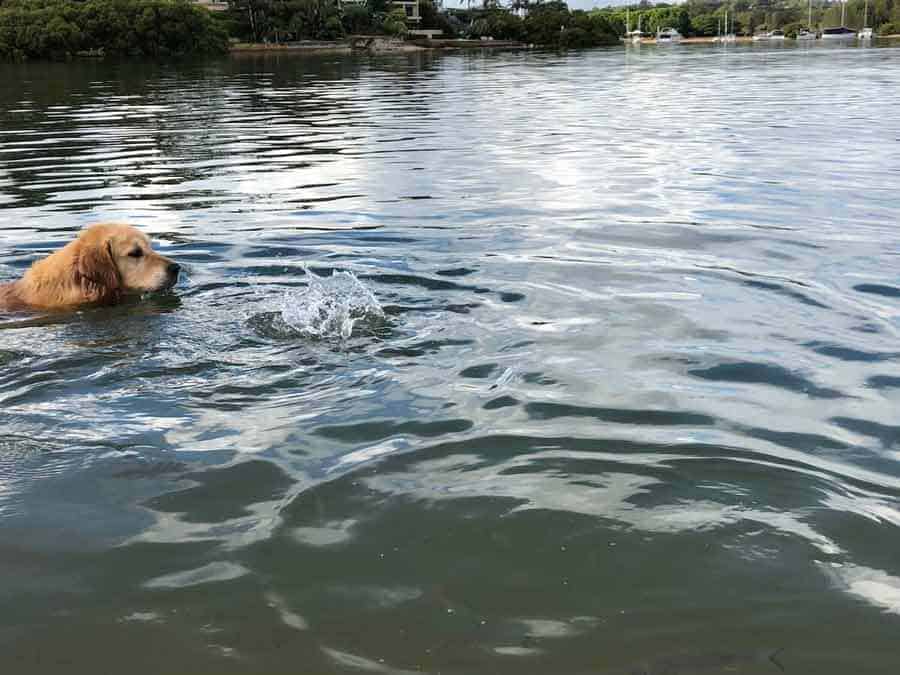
pixel 395 22
pixel 545 22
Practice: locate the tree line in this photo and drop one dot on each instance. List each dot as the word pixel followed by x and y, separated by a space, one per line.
pixel 546 23
pixel 57 29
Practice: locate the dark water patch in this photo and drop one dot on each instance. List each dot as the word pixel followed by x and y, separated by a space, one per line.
pixel 698 662
pixel 479 372
pixel 746 372
pixel 453 308
pixel 422 282
pixel 548 411
pixel 849 354
pixel 512 297
pixel 224 494
pixel 274 270
pixel 151 470
pixel 539 378
pixel 455 272
pixel 883 382
pixel 878 289
pixel 422 348
pixel 887 435
pixel 517 345
pixel 788 292
pixel 273 251
pixel 810 443
pixel 501 402
pixel 196 258
pixel 377 430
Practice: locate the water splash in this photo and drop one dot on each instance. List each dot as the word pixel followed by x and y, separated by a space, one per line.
pixel 328 307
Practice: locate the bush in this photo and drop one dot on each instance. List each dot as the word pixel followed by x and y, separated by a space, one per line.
pixel 545 22
pixel 890 28
pixel 356 19
pixel 552 23
pixel 432 18
pixel 395 22
pixel 498 24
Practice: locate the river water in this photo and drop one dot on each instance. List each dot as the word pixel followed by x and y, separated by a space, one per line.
pixel 480 363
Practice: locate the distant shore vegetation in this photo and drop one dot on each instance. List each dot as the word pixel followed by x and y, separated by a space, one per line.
pixel 159 29
pixel 544 23
pixel 59 29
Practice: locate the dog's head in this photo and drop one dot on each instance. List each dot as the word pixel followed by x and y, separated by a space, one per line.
pixel 113 259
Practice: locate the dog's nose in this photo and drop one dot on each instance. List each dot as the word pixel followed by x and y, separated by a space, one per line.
pixel 173 269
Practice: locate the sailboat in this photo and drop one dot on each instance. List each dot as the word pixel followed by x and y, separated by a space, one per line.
pixel 776 34
pixel 866 32
pixel 633 36
pixel 839 32
pixel 728 36
pixel 807 33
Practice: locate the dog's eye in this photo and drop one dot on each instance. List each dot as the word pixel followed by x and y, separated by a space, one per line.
pixel 136 253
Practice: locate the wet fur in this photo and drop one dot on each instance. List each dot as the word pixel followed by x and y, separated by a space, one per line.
pixel 87 271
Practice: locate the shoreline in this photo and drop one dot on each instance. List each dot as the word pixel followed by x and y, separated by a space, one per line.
pixel 386 45
pixel 375 44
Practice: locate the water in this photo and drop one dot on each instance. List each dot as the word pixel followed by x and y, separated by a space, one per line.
pixel 510 363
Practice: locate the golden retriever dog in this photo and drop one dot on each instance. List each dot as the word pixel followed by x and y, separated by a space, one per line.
pixel 104 264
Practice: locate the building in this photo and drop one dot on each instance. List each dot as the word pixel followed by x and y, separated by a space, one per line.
pixel 411 7
pixel 213 5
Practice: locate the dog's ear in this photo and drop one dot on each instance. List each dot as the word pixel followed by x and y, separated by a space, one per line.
pixel 97 270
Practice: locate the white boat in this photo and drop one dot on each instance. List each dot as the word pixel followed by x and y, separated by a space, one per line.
pixel 772 35
pixel 807 33
pixel 839 32
pixel 633 36
pixel 667 36
pixel 866 32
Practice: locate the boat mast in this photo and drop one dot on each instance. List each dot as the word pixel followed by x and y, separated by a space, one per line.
pixel 809 17
pixel 866 15
pixel 843 8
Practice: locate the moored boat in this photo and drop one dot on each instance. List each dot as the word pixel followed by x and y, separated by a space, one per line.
pixel 772 35
pixel 839 32
pixel 667 36
pixel 866 32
